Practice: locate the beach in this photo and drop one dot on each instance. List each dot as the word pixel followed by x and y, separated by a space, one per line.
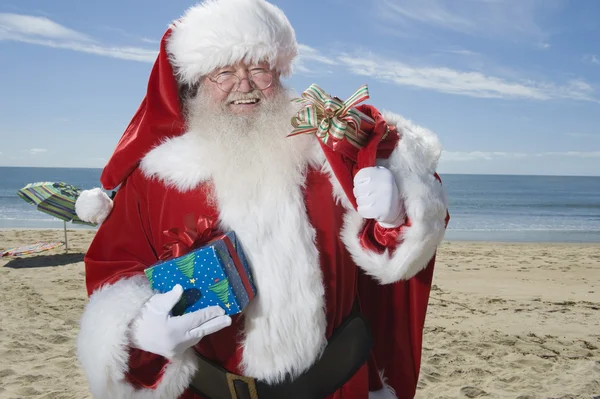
pixel 518 320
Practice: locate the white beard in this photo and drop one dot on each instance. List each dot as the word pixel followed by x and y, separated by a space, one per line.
pixel 250 150
pixel 257 175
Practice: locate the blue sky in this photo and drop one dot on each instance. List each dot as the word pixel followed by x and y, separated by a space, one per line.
pixel 509 86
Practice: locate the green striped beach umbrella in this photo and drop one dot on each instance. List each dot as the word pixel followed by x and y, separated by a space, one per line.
pixel 56 199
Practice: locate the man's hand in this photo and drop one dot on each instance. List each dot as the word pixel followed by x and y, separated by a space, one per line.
pixel 378 197
pixel 156 331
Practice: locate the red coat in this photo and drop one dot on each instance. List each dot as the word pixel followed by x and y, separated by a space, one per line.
pixel 310 262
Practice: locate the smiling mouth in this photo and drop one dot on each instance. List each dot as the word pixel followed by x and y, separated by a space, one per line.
pixel 248 101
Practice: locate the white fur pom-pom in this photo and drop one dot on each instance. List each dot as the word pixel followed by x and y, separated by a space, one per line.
pixel 93 205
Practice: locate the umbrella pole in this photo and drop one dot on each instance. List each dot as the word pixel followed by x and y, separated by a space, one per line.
pixel 66 243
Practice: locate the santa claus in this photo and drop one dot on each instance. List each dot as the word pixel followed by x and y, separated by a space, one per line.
pixel 342 292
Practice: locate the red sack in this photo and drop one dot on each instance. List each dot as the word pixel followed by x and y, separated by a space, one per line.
pixel 352 137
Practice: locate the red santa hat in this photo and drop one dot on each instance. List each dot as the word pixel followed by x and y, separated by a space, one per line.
pixel 210 35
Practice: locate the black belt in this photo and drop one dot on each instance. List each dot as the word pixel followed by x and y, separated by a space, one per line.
pixel 347 350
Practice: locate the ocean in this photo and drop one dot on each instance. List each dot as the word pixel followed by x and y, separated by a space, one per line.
pixel 482 207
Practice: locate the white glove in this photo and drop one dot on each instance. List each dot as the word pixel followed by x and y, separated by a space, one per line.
pixel 378 197
pixel 155 330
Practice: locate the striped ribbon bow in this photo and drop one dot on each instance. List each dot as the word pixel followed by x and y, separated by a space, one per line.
pixel 330 118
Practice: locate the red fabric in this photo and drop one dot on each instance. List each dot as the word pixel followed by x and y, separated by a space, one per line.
pixel 158 116
pixel 396 313
pixel 132 238
pixel 345 167
pixel 376 238
pixel 120 247
pixel 145 369
pixel 197 232
pixel 378 145
pixel 398 336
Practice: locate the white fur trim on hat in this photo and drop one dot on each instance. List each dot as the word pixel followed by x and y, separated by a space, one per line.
pixel 93 205
pixel 218 33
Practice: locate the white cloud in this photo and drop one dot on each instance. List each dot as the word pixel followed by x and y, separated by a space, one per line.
pixel 444 79
pixel 33 26
pixel 458 156
pixel 124 33
pixel 307 53
pixel 467 83
pixel 310 61
pixel 35 151
pixel 460 51
pixel 151 41
pixel 591 59
pixel 571 154
pixel 45 32
pixel 492 18
pixel 545 46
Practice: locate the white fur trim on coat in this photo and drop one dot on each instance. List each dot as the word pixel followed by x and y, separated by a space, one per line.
pixel 93 205
pixel 179 162
pixel 217 33
pixel 102 345
pixel 285 325
pixel 413 163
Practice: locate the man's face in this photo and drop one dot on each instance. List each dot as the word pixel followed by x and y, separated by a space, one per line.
pixel 240 89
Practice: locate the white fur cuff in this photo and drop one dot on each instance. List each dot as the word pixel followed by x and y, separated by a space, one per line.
pixel 103 350
pixel 413 163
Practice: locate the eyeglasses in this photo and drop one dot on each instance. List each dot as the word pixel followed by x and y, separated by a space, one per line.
pixel 259 79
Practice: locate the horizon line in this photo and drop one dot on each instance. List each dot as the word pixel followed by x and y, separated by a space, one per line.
pixel 439 172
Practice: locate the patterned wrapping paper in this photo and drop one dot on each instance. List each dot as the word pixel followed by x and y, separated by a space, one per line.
pixel 352 136
pixel 216 274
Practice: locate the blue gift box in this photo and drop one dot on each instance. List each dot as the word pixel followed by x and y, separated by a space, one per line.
pixel 216 274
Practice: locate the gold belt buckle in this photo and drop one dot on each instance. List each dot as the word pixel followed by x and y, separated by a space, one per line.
pixel 249 382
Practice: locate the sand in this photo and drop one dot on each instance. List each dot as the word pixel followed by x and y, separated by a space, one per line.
pixel 513 321
pixel 505 320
